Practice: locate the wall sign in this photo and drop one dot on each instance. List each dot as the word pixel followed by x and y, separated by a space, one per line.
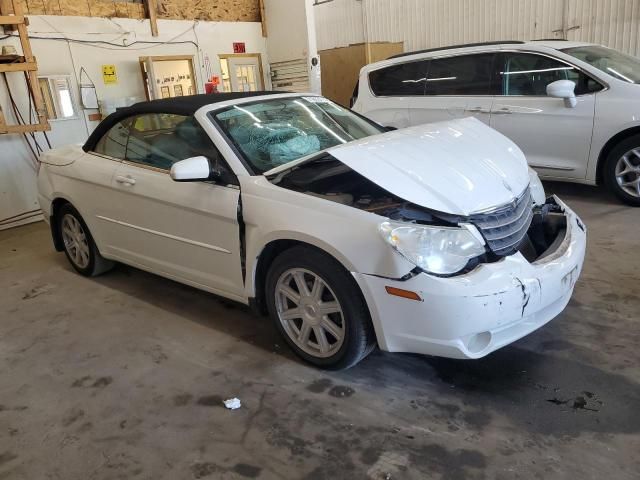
pixel 109 75
pixel 239 47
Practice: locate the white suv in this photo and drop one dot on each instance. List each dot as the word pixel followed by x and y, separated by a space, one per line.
pixel 573 108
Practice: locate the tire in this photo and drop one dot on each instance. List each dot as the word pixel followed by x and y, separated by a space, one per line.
pixel 621 159
pixel 79 246
pixel 349 339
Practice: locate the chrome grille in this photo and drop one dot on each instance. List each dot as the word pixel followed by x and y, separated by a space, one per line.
pixel 505 227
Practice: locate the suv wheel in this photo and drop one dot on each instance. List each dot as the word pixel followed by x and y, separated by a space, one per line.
pixel 318 308
pixel 622 171
pixel 79 247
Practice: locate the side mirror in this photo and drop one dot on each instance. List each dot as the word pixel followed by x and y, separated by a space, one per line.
pixel 194 169
pixel 564 89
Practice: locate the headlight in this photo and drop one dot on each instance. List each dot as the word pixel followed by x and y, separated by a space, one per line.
pixel 439 250
pixel 536 188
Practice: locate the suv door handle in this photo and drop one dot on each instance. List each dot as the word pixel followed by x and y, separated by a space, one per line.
pixel 503 111
pixel 128 180
pixel 478 110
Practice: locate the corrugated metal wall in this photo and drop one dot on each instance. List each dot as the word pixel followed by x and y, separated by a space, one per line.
pixel 434 23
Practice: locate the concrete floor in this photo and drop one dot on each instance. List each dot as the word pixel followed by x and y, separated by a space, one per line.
pixel 122 376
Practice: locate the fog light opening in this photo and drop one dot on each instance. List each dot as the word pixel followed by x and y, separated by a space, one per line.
pixel 479 342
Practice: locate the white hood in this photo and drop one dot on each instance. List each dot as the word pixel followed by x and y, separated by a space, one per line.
pixel 458 167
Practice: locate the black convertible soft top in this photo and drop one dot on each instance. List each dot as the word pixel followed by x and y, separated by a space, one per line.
pixel 177 105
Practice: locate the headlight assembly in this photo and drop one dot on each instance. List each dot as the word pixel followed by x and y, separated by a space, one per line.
pixel 438 250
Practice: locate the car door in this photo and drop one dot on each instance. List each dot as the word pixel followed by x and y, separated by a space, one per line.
pixel 456 87
pixel 556 139
pixel 187 231
pixel 96 197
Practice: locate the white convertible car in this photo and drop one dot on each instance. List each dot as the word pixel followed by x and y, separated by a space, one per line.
pixel 434 239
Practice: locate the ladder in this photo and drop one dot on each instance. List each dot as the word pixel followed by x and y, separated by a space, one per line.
pixel 12 18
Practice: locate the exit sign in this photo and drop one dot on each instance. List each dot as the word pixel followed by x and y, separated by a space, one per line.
pixel 239 47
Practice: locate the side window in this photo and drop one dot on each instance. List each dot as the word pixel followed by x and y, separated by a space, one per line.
pixel 529 74
pixel 114 142
pixel 403 80
pixel 461 75
pixel 159 140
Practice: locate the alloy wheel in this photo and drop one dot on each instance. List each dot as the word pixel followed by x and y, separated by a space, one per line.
pixel 75 241
pixel 628 172
pixel 310 312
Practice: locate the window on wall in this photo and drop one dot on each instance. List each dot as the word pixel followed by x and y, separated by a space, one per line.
pixel 406 79
pixel 58 100
pixel 461 75
pixel 529 74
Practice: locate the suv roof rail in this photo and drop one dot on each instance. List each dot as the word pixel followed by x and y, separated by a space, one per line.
pixel 464 45
pixel 550 40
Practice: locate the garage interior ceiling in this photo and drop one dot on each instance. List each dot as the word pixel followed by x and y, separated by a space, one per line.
pixel 433 23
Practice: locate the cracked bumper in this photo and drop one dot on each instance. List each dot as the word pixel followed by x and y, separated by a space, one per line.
pixel 471 315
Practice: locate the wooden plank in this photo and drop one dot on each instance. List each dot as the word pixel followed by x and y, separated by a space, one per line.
pixel 152 11
pixel 18 67
pixel 263 18
pixel 36 127
pixel 11 19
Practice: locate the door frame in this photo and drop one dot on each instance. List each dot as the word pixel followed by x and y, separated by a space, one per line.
pixel 229 56
pixel 146 81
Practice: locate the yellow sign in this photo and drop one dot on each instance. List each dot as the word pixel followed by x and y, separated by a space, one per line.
pixel 109 75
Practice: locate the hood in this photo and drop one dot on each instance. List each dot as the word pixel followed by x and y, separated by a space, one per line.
pixel 459 167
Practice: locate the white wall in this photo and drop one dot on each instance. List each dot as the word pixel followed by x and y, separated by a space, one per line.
pixel 433 23
pixel 17 169
pixel 286 30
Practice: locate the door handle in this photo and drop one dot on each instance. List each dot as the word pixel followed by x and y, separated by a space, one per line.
pixel 478 110
pixel 503 111
pixel 128 180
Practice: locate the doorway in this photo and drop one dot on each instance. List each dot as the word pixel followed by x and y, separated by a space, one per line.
pixel 242 72
pixel 168 76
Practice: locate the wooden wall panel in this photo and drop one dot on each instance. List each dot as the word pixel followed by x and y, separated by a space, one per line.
pixel 340 70
pixel 212 10
pixel 220 10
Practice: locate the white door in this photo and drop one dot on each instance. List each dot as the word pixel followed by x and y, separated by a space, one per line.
pixel 188 231
pixel 244 73
pixel 455 87
pixel 555 139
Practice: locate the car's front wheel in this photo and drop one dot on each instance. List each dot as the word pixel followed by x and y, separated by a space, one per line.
pixel 622 171
pixel 79 246
pixel 318 308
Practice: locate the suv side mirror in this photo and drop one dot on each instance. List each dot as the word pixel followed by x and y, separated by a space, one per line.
pixel 563 89
pixel 194 169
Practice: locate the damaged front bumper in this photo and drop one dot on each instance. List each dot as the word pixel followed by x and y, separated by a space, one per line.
pixel 471 315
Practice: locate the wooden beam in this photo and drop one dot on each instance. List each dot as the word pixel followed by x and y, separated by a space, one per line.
pixel 36 127
pixel 152 13
pixel 263 18
pixel 11 19
pixel 18 67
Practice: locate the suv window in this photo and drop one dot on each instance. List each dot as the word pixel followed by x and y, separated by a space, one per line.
pixel 403 80
pixel 159 140
pixel 529 74
pixel 114 142
pixel 461 75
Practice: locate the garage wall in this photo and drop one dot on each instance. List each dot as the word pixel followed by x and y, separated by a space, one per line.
pixel 59 56
pixel 434 23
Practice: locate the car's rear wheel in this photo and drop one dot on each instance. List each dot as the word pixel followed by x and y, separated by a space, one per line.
pixel 318 308
pixel 622 171
pixel 79 247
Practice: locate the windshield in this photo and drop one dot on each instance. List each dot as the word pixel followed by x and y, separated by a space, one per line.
pixel 617 64
pixel 272 132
